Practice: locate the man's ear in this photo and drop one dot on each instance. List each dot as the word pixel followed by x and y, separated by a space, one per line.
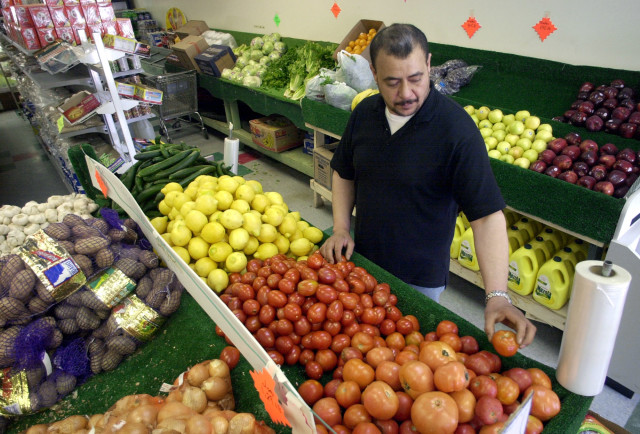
pixel 373 71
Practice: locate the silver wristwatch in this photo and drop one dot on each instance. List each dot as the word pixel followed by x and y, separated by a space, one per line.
pixel 492 294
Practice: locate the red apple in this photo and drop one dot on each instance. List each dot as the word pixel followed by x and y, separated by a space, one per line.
pixel 583 95
pixel 604 187
pixel 574 105
pixel 618 83
pixel 629 103
pixel 588 145
pixel 586 107
pixel 631 178
pixel 589 157
pixel 569 113
pixel 573 151
pixel 627 154
pixel 610 103
pixel 599 172
pixel 557 145
pixel 547 156
pixel 625 93
pixel 578 118
pixel 607 160
pixel 573 138
pixel 610 92
pixel 538 166
pixel 621 113
pixel 581 168
pixel 563 162
pixel 612 125
pixel 628 130
pixel 553 171
pixel 608 148
pixel 559 119
pixel 620 191
pixel 587 87
pixel 623 166
pixel 594 123
pixel 587 182
pixel 634 118
pixel 597 97
pixel 569 176
pixel 603 113
pixel 616 177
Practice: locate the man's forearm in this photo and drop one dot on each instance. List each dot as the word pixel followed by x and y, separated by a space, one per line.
pixel 492 250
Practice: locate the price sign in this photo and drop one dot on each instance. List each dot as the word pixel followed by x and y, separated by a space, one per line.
pixel 335 9
pixel 265 385
pixel 471 26
pixel 544 28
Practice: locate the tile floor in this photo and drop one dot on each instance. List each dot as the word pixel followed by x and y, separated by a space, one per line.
pixel 21 158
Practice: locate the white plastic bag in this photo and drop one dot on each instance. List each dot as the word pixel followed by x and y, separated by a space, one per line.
pixel 219 38
pixel 143 130
pixel 339 95
pixel 314 88
pixel 355 71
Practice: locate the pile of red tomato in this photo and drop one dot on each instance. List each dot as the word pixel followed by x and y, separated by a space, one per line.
pixel 387 376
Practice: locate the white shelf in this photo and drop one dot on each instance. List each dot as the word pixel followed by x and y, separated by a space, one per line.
pixel 76 76
pixel 101 129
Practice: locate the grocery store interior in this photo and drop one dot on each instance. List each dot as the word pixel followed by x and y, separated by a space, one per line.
pixel 31 171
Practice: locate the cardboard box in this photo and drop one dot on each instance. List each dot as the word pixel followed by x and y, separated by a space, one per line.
pixel 275 133
pixel 126 90
pixel 322 171
pixel 612 427
pixel 362 26
pixel 214 59
pixel 187 49
pixel 127 45
pixel 79 107
pixel 148 94
pixel 192 28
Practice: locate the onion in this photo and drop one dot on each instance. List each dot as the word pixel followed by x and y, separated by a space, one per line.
pixel 218 368
pixel 216 388
pixel 69 425
pixel 178 425
pixel 242 423
pixel 38 429
pixel 219 424
pixel 145 414
pixel 134 428
pixel 198 374
pixel 194 398
pixel 227 402
pixel 174 410
pixel 96 421
pixel 175 395
pixel 198 424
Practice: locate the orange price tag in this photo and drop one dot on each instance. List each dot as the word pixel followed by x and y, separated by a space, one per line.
pixel 266 388
pixel 471 26
pixel 101 183
pixel 335 9
pixel 544 28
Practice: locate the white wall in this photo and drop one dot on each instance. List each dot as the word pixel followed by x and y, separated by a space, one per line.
pixel 597 33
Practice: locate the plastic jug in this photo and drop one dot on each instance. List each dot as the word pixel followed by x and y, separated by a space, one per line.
pixel 467 256
pixel 528 225
pixel 510 216
pixel 465 221
pixel 545 246
pixel 524 264
pixel 553 283
pixel 579 248
pixel 567 254
pixel 517 238
pixel 457 238
pixel 553 235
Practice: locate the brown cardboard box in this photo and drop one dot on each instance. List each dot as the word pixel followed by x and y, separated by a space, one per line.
pixel 275 133
pixel 322 171
pixel 216 58
pixel 362 26
pixel 193 28
pixel 187 49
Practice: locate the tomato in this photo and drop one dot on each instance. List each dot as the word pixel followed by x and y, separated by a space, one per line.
pixel 321 340
pixel 494 360
pixel 254 265
pixel 446 326
pixel 453 340
pixel 287 286
pixel 279 267
pixel 369 281
pixel 407 427
pixel 451 377
pixel 504 341
pixel 389 372
pixel 405 356
pixel 463 428
pixel 380 298
pixel 230 355
pixel 358 371
pixel 494 428
pixel 404 406
pixel 436 354
pixel 508 390
pixel 328 410
pixel 333 327
pixel 354 415
pixel 466 403
pixel 284 344
pixel 313 370
pixel 366 428
pixel 351 353
pixel 265 337
pixel 264 271
pixel 546 403
pixel 387 327
pixel 311 391
pixel 488 409
pixel 284 327
pixel 356 285
pixel 321 429
pixel 404 326
pixel 395 340
pixel 326 294
pixel 294 355
pixel 307 287
pixel 534 425
pixel 434 412
pixel 393 313
pixel 235 277
pixel 306 356
pixel 538 376
pixel 416 378
pixel 478 364
pixel 414 338
pixel 431 337
pixel 521 376
pixel 302 327
pixel 331 387
pixel 317 313
pixel 340 342
pixel 315 261
pixel 483 385
pixel 341 429
pixel 276 357
pixel 326 275
pixel 380 400
pixel 461 357
pixel 327 359
pixel 276 298
pixel 307 273
pixel 348 393
pixel 388 426
pixel 377 355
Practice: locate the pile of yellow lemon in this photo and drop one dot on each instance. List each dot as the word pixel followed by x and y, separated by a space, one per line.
pixel 217 224
pixel 358 45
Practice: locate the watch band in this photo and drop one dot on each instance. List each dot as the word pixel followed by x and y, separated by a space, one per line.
pixel 492 294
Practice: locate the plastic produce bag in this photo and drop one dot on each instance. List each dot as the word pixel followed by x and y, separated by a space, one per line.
pixel 455 79
pixel 355 71
pixel 315 87
pixel 339 95
pixel 219 38
pixel 440 71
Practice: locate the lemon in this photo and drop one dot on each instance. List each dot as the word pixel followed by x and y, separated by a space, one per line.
pixel 219 251
pixel 227 183
pixel 236 262
pixel 281 206
pixel 274 197
pixel 198 248
pixel 301 247
pixel 174 213
pixel 257 187
pixel 164 208
pixel 192 266
pixel 206 204
pixel 251 246
pixel 195 221
pixel 245 192
pixel 209 184
pixel 215 217
pixel 252 223
pixel 265 251
pixel 160 224
pixel 224 198
pixel 312 234
pixel 170 197
pixel 188 206
pixel 205 178
pixel 239 179
pixel 180 235
pixel 238 238
pixel 260 202
pixel 296 235
pixel 180 200
pixel 268 233
pixel 204 266
pixel 231 219
pixel 167 237
pixel 218 280
pixel 206 192
pixel 273 216
pixel 183 253
pixel 172 186
pixel 288 226
pixel 212 232
pixel 171 224
pixel 191 191
pixel 302 225
pixel 282 243
pixel 240 205
pixel 295 215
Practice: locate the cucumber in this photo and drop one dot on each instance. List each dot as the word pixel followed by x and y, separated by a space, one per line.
pixel 181 174
pixel 139 183
pixel 167 162
pixel 153 214
pixel 147 155
pixel 163 181
pixel 129 176
pixel 166 173
pixel 204 171
pixel 148 193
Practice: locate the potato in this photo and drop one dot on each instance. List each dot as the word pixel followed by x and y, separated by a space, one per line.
pixel 68 246
pixel 90 300
pixel 144 287
pixel 131 268
pixel 86 319
pixel 65 383
pixel 95 361
pixel 156 297
pixel 35 376
pixel 96 346
pixel 91 245
pixel 21 286
pixel 72 220
pixel 171 304
pixel 47 394
pixel 122 345
pixel 65 311
pixel 102 313
pixel 37 305
pixel 75 299
pixel 85 264
pixel 7 340
pixel 84 231
pixel 129 252
pixel 163 278
pixel 34 400
pixel 12 309
pixel 58 231
pixel 101 225
pixel 104 258
pixel 12 265
pixel 149 259
pixel 111 360
pixel 44 293
pixel 55 340
pixel 116 235
pixel 68 326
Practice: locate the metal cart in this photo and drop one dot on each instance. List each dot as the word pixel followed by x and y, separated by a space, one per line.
pixel 179 101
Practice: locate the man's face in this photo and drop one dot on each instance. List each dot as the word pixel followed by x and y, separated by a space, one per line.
pixel 403 83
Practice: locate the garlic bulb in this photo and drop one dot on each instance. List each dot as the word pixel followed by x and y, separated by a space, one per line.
pixel 20 219
pixel 4 229
pixel 37 218
pixel 51 215
pixel 31 229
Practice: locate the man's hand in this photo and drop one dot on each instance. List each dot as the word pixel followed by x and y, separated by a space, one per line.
pixel 332 249
pixel 500 310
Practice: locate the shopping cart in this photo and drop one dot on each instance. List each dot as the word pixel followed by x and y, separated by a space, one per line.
pixel 179 101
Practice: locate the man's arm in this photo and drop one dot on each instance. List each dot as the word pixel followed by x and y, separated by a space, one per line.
pixel 342 202
pixel 491 243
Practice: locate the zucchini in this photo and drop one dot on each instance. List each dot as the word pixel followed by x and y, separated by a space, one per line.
pixel 167 162
pixel 166 173
pixel 182 173
pixel 204 171
pixel 148 193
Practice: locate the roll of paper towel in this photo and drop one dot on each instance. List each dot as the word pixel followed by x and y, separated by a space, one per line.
pixel 231 150
pixel 595 310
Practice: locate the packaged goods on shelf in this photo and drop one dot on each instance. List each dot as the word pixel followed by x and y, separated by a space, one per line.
pixel 79 107
pixel 275 133
pixel 126 45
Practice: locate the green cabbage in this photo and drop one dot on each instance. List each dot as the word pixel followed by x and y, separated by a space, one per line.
pixel 257 42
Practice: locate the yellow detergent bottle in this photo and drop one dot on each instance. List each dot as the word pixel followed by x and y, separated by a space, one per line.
pixel 517 238
pixel 524 264
pixel 579 248
pixel 457 238
pixel 467 256
pixel 528 225
pixel 545 246
pixel 567 254
pixel 554 236
pixel 553 283
pixel 465 221
pixel 510 216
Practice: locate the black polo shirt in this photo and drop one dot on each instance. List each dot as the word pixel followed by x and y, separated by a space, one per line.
pixel 409 185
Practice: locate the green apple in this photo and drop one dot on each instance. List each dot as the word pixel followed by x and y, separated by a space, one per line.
pixel 511 139
pixel 482 112
pixel 494 153
pixel 524 143
pixel 528 133
pixel 522 162
pixel 470 109
pixel 486 132
pixel 538 145
pixel 507 158
pixel 491 141
pixel 516 127
pixel 507 119
pixel 543 135
pixel 532 122
pixel 546 127
pixel 503 147
pixel 487 148
pixel 485 123
pixel 531 155
pixel 475 119
pixel 495 116
pixel 499 135
pixel 516 152
pixel 522 115
pixel 499 126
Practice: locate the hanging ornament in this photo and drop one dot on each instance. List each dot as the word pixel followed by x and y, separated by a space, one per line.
pixel 276 20
pixel 336 10
pixel 471 26
pixel 544 28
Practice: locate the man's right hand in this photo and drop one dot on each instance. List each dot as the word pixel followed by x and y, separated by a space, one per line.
pixel 333 248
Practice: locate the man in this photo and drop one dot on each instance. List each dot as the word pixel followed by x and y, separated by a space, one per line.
pixel 408 160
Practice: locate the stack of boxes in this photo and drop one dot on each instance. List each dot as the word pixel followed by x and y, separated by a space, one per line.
pixel 35 26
